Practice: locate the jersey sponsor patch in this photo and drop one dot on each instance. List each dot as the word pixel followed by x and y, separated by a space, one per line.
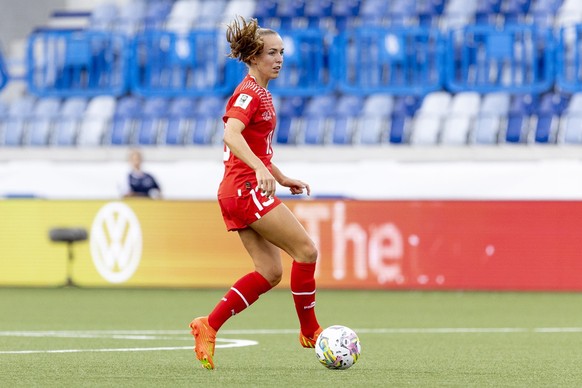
pixel 243 101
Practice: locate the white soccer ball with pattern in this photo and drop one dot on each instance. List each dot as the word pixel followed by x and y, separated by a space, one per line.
pixel 338 347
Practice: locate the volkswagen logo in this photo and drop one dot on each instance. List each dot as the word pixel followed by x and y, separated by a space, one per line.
pixel 116 242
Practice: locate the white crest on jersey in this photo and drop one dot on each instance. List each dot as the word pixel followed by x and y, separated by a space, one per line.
pixel 243 101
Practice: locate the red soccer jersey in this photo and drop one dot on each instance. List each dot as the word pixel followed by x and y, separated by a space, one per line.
pixel 253 105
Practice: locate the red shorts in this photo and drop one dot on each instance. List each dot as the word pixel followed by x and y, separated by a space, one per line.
pixel 250 205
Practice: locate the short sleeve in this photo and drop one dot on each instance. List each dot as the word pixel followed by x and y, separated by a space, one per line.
pixel 244 107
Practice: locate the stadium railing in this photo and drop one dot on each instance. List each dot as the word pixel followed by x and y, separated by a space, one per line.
pixel 515 59
pixel 401 61
pixel 306 68
pixel 167 64
pixel 363 61
pixel 568 59
pixel 77 63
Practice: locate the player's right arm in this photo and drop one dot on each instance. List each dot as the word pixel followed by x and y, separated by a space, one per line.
pixel 238 146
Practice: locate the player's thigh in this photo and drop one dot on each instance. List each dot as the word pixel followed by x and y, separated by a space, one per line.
pixel 281 228
pixel 265 255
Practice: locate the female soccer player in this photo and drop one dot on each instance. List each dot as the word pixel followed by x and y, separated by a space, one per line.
pixel 247 195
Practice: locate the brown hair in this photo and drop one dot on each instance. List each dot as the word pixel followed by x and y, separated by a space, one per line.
pixel 245 38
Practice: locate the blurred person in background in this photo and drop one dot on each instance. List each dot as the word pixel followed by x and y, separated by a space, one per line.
pixel 138 182
pixel 247 195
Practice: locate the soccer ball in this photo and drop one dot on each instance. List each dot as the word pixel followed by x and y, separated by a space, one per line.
pixel 338 347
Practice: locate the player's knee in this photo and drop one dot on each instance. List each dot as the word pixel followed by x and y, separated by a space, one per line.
pixel 309 253
pixel 274 277
pixel 313 254
pixel 277 279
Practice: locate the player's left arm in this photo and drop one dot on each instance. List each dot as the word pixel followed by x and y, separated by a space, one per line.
pixel 295 185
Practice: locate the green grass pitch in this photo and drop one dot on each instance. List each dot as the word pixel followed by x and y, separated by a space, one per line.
pixel 99 337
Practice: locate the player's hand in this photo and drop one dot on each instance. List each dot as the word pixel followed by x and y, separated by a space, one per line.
pixel 298 187
pixel 266 183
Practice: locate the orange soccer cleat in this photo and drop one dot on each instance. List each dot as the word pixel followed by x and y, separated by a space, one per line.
pixel 204 340
pixel 308 342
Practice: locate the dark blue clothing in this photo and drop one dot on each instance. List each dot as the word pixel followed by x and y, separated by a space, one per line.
pixel 142 184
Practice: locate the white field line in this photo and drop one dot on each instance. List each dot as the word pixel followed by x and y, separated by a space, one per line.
pixel 230 343
pixel 94 350
pixel 226 343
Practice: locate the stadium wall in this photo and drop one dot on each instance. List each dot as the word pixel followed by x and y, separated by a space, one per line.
pixel 378 173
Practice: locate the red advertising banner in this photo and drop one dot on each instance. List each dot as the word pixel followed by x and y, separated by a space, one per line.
pixel 439 245
pixel 473 245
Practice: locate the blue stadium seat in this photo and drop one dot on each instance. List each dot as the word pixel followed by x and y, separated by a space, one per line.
pixel 289 12
pixel 402 12
pixel 428 121
pixel 547 118
pixel 210 14
pixel 149 126
pixel 429 12
pixel 515 11
pixel 373 12
pixel 208 121
pixel 128 111
pixel 487 12
pixel 437 6
pixel 96 121
pixel 543 12
pixel 181 118
pixel 182 16
pixel 405 108
pixel 3 109
pixel 234 8
pixel 374 119
pixel 569 13
pixel 570 128
pixel 316 12
pixel 265 11
pixel 458 13
pixel 315 119
pixel 156 14
pixel 40 125
pixel 494 110
pixel 344 13
pixel 131 17
pixel 19 112
pixel 460 119
pixel 518 118
pixel 67 126
pixel 344 121
pixel 289 112
pixel 103 17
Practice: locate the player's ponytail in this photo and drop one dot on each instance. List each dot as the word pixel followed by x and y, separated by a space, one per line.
pixel 245 39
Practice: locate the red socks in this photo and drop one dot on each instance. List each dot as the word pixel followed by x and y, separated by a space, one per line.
pixel 303 290
pixel 247 290
pixel 241 295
